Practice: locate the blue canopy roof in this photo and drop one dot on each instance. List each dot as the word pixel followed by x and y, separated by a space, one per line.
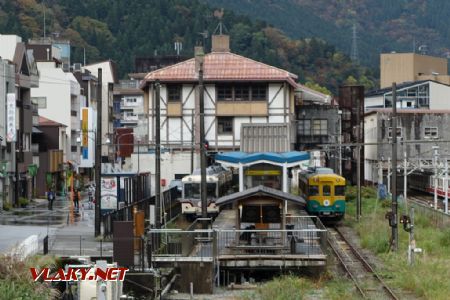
pixel 244 157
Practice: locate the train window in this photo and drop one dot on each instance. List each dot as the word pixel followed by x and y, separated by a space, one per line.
pixel 192 190
pixel 313 190
pixel 326 190
pixel 339 190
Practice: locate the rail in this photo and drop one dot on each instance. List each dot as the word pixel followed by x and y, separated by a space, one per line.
pixel 353 262
pixel 439 218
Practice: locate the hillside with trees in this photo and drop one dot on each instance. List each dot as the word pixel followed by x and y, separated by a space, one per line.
pixel 124 29
pixel 381 25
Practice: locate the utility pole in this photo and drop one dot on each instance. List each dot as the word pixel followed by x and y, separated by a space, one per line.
pixel 98 155
pixel 405 179
pixel 435 163
pixel 394 223
pixel 412 242
pixel 157 156
pixel 389 176
pixel 358 176
pixel 340 142
pixel 446 186
pixel 380 177
pixel 204 196
pixel 192 141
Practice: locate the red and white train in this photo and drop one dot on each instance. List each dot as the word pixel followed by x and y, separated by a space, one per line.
pixel 425 182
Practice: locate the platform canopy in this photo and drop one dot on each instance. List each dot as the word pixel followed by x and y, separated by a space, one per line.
pixel 236 158
pixel 261 191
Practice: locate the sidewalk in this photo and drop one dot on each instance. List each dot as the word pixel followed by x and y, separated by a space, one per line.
pixel 70 232
pixel 77 236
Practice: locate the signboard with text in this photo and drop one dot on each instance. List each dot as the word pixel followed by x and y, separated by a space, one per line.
pixel 109 192
pixel 11 131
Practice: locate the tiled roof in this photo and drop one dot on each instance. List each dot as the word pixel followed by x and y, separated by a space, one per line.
pixel 221 66
pixel 47 122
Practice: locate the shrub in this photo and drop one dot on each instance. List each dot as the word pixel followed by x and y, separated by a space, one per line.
pixel 23 201
pixel 7 206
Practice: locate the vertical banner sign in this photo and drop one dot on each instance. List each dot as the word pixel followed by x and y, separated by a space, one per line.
pixel 84 129
pixel 109 193
pixel 11 117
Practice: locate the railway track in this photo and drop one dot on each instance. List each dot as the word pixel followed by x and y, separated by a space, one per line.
pixel 367 282
pixel 426 202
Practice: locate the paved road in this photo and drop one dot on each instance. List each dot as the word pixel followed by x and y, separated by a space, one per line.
pixel 65 226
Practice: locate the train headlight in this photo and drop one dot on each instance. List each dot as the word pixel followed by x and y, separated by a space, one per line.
pixel 315 206
pixel 326 202
pixel 337 206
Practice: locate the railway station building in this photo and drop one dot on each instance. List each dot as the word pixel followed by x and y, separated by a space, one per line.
pixel 237 91
pixel 264 168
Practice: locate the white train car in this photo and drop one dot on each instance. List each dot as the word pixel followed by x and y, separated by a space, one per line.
pixel 218 181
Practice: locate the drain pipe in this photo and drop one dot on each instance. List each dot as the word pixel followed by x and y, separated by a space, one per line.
pixel 169 285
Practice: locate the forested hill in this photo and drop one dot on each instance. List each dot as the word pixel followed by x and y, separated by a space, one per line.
pixel 382 25
pixel 124 29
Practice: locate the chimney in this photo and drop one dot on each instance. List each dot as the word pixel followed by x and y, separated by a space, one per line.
pixel 199 55
pixel 220 43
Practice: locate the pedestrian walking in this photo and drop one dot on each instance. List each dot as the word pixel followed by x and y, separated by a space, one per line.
pixel 50 198
pixel 76 199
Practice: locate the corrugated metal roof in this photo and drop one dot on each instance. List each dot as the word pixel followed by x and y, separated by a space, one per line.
pixel 259 191
pixel 243 157
pixel 222 66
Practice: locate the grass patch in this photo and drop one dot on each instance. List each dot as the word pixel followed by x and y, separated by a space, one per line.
pixel 16 281
pixel 428 276
pixel 291 287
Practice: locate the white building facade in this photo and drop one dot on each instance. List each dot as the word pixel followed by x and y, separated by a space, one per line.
pixel 237 90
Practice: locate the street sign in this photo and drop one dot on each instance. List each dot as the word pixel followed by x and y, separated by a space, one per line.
pixel 11 117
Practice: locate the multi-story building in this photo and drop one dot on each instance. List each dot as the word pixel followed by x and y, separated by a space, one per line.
pixel 411 67
pixel 419 124
pixel 424 94
pixel 7 86
pixel 351 104
pixel 18 136
pixel 129 99
pixel 48 145
pixel 88 119
pixel 58 95
pixel 109 77
pixel 237 90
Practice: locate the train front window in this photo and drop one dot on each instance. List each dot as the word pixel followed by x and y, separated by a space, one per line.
pixel 339 190
pixel 211 190
pixel 192 190
pixel 326 190
pixel 313 190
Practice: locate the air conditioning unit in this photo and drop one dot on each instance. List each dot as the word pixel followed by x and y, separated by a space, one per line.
pixel 66 67
pixel 77 67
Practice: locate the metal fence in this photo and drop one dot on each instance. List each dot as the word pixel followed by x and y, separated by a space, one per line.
pixel 212 243
pixel 439 218
pixel 170 205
